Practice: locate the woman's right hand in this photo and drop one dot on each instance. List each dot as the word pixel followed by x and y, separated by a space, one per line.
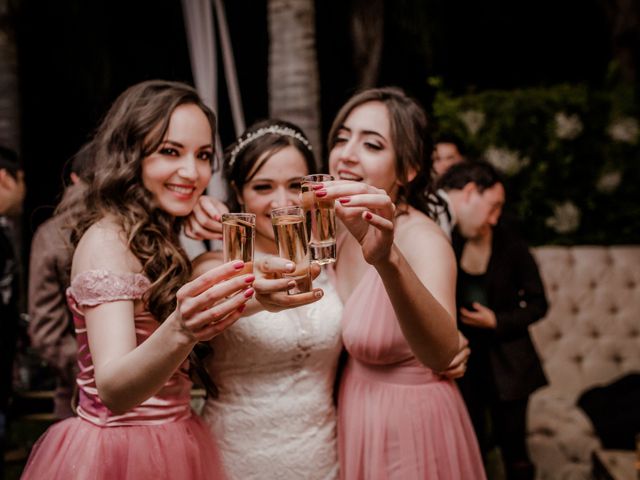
pixel 271 287
pixel 205 222
pixel 213 301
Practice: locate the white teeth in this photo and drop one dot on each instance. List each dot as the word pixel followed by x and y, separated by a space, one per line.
pixel 354 178
pixel 181 190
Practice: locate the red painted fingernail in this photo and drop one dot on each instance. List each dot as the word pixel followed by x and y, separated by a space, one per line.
pixel 248 292
pixel 321 193
pixel 317 186
pixel 368 215
pixel 249 279
pixel 242 307
pixel 344 200
pixel 238 264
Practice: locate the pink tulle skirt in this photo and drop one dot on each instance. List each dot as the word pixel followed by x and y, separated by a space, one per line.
pixel 77 449
pixel 396 428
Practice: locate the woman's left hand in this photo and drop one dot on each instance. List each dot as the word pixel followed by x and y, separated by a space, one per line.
pixel 481 317
pixel 367 212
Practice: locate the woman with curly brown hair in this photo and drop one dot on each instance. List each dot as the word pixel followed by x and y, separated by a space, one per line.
pixel 137 317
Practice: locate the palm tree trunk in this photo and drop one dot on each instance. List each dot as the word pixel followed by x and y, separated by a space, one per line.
pixel 294 85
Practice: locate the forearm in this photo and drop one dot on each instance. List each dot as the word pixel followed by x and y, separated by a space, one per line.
pixel 427 326
pixel 127 381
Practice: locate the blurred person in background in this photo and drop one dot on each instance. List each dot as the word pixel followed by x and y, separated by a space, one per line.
pixel 499 294
pixel 50 321
pixel 12 191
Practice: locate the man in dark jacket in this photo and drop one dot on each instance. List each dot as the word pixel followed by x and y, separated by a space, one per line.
pixel 12 190
pixel 499 295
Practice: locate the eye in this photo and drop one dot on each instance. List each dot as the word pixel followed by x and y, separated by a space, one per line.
pixel 373 146
pixel 169 151
pixel 261 187
pixel 206 156
pixel 295 185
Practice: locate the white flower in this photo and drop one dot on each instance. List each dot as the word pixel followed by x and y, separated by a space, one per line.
pixel 473 120
pixel 625 130
pixel 568 127
pixel 507 161
pixel 566 218
pixel 608 182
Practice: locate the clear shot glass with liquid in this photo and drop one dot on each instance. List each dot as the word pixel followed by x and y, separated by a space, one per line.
pixel 291 239
pixel 238 237
pixel 320 220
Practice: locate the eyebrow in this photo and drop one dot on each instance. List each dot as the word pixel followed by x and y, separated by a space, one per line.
pixel 364 132
pixel 254 180
pixel 179 145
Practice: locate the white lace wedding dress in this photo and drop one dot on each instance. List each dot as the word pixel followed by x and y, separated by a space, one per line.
pixel 274 417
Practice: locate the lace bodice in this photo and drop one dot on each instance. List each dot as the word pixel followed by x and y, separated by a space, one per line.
pixel 275 417
pixel 93 288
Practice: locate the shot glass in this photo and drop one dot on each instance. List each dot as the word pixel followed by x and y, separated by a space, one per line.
pixel 320 220
pixel 238 235
pixel 291 238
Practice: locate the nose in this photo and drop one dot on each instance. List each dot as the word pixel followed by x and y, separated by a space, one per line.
pixel 282 198
pixel 188 169
pixel 493 218
pixel 347 151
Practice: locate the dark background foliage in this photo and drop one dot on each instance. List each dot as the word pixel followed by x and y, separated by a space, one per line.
pixel 76 56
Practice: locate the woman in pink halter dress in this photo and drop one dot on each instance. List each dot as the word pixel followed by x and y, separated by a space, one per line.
pixel 397 418
pixel 136 317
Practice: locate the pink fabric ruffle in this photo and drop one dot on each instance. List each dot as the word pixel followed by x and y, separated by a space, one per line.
pixel 77 449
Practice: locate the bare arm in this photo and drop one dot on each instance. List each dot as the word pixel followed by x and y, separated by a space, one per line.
pixel 126 373
pixel 415 263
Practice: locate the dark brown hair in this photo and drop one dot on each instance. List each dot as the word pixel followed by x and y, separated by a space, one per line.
pixel 240 168
pixel 133 128
pixel 410 138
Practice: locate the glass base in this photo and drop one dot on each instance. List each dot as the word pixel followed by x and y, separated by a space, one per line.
pixel 323 254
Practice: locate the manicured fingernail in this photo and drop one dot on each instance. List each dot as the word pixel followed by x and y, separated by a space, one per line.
pixel 249 279
pixel 321 193
pixel 290 267
pixel 242 307
pixel 217 218
pixel 238 264
pixel 344 200
pixel 291 284
pixel 317 186
pixel 368 215
pixel 248 292
pixel 318 294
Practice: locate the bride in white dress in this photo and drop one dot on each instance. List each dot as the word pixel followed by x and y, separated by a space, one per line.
pixel 274 416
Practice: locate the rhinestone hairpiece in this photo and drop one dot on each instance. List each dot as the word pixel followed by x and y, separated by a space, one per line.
pixel 275 129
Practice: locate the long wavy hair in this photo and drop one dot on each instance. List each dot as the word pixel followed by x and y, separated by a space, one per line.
pixel 251 155
pixel 133 128
pixel 411 139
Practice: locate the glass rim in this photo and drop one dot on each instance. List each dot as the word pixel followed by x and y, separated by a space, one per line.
pixel 280 210
pixel 318 177
pixel 243 216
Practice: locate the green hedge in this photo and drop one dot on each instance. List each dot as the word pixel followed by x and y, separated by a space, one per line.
pixel 570 153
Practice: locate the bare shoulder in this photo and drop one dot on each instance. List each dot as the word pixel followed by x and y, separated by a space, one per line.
pixel 206 261
pixel 415 228
pixel 104 246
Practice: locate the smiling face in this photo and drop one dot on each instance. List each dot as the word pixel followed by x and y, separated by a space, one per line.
pixel 362 149
pixel 178 171
pixel 275 184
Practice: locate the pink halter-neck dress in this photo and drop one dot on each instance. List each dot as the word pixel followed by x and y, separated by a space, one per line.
pixel 397 420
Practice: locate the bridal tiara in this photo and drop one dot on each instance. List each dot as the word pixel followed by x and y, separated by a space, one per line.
pixel 273 129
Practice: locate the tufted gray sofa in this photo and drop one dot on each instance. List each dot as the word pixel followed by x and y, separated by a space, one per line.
pixel 590 337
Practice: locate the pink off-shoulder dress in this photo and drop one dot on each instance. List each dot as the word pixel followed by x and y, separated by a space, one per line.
pixel 159 439
pixel 397 420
